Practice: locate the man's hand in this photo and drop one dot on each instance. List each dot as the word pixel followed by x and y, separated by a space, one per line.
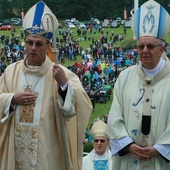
pixel 24 98
pixel 59 75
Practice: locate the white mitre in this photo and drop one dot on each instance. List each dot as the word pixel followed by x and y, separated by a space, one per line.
pixel 151 19
pixel 40 21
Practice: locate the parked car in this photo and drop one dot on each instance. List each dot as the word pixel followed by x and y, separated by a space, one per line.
pixel 114 24
pixel 105 25
pixel 6 27
pixel 66 21
pixel 119 19
pixel 70 25
pixel 72 20
pixel 19 22
pixel 76 22
pixel 6 22
pixel 60 25
pixel 94 21
pixel 13 20
pixel 127 24
pixel 81 25
pixel 106 21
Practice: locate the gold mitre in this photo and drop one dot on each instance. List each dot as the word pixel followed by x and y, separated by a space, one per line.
pixel 99 129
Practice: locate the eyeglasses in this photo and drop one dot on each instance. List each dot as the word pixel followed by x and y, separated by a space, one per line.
pixel 37 44
pixel 149 46
pixel 101 140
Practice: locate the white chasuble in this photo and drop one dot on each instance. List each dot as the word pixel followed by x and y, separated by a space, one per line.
pixel 134 95
pixel 27 120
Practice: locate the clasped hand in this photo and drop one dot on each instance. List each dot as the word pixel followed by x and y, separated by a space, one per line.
pixel 143 153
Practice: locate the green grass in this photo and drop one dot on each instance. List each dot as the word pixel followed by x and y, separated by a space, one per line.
pixel 100 109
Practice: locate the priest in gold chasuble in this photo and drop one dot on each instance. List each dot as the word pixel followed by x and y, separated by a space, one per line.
pixel 44 109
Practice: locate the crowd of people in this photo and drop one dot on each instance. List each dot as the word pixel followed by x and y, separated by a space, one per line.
pixel 12 49
pixel 97 66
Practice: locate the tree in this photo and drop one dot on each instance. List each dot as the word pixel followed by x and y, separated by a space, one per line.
pixel 82 10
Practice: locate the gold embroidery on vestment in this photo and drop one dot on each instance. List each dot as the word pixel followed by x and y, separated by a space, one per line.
pixel 26 141
pixel 26 112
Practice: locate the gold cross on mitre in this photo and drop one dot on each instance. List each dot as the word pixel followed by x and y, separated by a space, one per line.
pixel 48 23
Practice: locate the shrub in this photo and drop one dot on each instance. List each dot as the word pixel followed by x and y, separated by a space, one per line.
pixel 88 147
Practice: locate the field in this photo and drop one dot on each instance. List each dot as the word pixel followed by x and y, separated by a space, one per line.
pixel 100 109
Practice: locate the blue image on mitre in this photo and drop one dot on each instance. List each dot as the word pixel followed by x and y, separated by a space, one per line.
pixel 151 19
